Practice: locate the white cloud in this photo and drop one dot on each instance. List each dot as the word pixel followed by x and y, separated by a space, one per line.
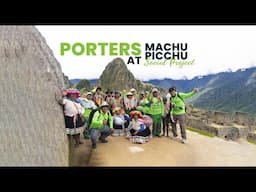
pixel 214 48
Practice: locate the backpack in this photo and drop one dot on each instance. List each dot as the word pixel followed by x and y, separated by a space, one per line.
pixel 92 114
pixel 183 101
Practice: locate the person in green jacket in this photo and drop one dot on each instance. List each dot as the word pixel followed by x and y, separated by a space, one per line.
pixel 102 122
pixel 178 111
pixel 89 105
pixel 156 111
pixel 143 104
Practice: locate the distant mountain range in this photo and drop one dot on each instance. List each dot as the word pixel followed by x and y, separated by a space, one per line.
pixel 226 91
pixel 76 81
pixel 229 91
pixel 182 85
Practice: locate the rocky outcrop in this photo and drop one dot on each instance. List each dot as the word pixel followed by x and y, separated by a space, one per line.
pixel 32 130
pixel 67 82
pixel 116 76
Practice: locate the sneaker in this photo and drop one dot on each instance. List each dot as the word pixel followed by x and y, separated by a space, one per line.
pixel 183 141
pixel 103 141
pixel 174 138
pixel 93 146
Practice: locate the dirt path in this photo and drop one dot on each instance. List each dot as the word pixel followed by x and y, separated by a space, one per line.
pixel 198 151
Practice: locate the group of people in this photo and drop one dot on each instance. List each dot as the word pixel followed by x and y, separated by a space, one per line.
pixel 136 116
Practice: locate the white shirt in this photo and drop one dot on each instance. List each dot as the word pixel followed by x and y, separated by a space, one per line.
pixel 118 119
pixel 72 108
pixel 135 124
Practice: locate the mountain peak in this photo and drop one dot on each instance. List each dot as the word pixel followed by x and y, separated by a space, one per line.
pixel 117 76
pixel 116 63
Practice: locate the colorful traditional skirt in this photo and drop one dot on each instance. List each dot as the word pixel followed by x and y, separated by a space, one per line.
pixel 71 128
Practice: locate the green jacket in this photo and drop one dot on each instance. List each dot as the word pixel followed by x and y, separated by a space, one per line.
pixel 87 113
pixel 145 105
pixel 179 105
pixel 156 106
pixel 99 117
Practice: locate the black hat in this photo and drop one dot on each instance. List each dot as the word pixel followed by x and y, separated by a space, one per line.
pixel 98 88
pixel 172 89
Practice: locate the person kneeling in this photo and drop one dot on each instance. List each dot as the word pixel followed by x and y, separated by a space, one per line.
pixel 102 122
pixel 138 130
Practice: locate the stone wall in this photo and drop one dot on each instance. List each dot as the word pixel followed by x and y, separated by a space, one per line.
pixel 230 126
pixel 32 130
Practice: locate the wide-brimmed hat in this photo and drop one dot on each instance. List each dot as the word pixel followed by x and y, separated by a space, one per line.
pixel 117 109
pixel 129 93
pixel 133 90
pixel 104 104
pixel 133 113
pixel 154 90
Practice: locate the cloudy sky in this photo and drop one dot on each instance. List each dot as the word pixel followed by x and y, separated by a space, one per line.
pixel 213 48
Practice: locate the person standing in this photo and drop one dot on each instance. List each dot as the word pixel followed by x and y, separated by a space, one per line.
pixel 98 97
pixel 178 111
pixel 72 114
pixel 129 103
pixel 156 111
pixel 88 105
pixel 166 117
pixel 143 104
pixel 117 101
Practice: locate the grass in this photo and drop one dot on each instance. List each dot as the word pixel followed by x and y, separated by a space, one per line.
pixel 201 132
pixel 251 141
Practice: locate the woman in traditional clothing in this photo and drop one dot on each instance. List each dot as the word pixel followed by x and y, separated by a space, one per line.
pixel 137 128
pixel 129 103
pixel 98 97
pixel 117 101
pixel 72 113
